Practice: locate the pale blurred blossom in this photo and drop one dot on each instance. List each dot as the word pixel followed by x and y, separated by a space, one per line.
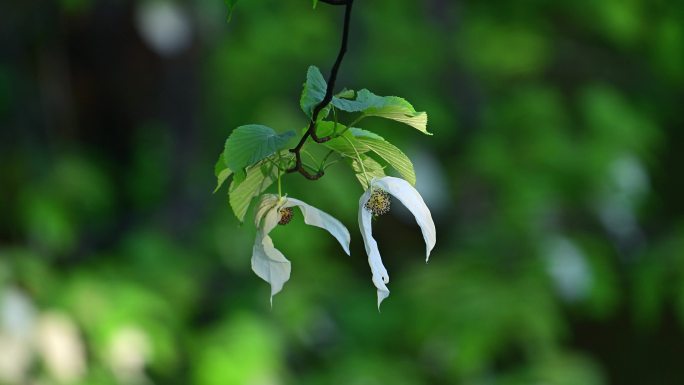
pixel 164 26
pixel 128 352
pixel 626 184
pixel 17 319
pixel 567 265
pixel 61 347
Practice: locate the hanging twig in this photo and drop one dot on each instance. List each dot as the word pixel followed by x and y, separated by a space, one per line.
pixel 311 131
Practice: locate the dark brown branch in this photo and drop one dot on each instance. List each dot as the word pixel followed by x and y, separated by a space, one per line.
pixel 311 131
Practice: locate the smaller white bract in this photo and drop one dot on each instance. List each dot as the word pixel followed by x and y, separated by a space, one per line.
pixel 410 198
pixel 267 261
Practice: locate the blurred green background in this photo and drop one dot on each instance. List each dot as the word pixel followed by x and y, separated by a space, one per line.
pixel 554 177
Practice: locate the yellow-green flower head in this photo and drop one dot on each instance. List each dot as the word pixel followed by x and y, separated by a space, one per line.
pixel 378 203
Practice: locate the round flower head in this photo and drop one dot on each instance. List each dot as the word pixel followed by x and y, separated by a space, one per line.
pixel 267 261
pixel 378 203
pixel 373 202
pixel 286 215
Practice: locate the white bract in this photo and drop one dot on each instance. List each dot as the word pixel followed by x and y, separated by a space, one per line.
pixel 409 197
pixel 267 261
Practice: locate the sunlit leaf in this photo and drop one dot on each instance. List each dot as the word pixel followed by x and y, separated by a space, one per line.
pixel 390 153
pixel 359 133
pixel 221 171
pixel 392 107
pixel 372 168
pixel 346 94
pixel 346 144
pixel 256 182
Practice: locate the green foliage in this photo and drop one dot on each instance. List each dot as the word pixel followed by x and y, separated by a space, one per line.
pixel 398 109
pixel 221 171
pixel 354 141
pixel 343 142
pixel 484 39
pixel 313 92
pixel 366 168
pixel 254 146
pixel 256 181
pixel 366 102
pixel 105 215
pixel 389 107
pixel 231 5
pixel 248 343
pixel 391 154
pixel 252 143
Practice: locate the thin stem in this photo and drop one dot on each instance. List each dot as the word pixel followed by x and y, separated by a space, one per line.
pixel 325 158
pixel 309 165
pixel 310 156
pixel 334 110
pixel 280 188
pixel 276 165
pixel 354 122
pixel 331 163
pixel 311 131
pixel 350 125
pixel 358 157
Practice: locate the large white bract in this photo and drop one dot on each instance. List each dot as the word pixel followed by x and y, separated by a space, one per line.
pixel 409 197
pixel 267 261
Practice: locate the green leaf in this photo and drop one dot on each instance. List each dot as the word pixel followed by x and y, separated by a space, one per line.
pixel 363 101
pixel 256 181
pixel 315 3
pixel 372 167
pixel 343 144
pixel 398 109
pixel 313 92
pixel 346 94
pixel 221 171
pixel 389 107
pixel 359 133
pixel 356 140
pixel 391 154
pixel 343 101
pixel 239 177
pixel 249 144
pixel 231 5
pixel 220 164
pixel 326 128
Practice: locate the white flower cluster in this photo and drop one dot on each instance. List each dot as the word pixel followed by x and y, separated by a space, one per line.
pixel 272 266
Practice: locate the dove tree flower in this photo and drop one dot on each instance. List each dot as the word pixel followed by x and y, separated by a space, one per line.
pixel 267 261
pixel 375 202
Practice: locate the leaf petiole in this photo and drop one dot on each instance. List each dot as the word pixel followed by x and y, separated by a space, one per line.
pixel 351 125
pixel 358 157
pixel 280 173
pixel 356 121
